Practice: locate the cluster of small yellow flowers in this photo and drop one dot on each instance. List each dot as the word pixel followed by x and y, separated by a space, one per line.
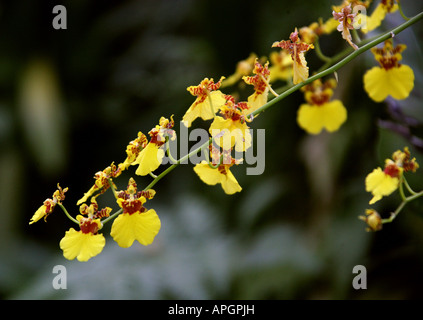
pixel 289 64
pixel 133 221
pixel 320 112
pixel 229 129
pixel 391 78
pixel 230 132
pixel 381 183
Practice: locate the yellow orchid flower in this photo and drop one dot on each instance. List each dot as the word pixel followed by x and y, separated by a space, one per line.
pixel 220 174
pixel 260 81
pixel 150 158
pixel 86 243
pixel 403 159
pixel 136 222
pixel 101 182
pixel 49 204
pixel 330 25
pixel 208 101
pixel 383 182
pixel 133 150
pixel 280 66
pixel 297 49
pixel 310 33
pixel 231 130
pixel 345 17
pixel 83 244
pixel 319 112
pixel 391 78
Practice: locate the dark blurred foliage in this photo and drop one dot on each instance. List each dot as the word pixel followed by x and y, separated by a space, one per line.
pixel 72 99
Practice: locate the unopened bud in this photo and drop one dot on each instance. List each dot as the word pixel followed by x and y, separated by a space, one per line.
pixel 373 220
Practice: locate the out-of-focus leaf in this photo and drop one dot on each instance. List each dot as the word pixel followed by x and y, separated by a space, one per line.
pixel 42 116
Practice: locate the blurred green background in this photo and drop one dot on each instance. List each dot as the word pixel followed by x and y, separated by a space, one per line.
pixel 72 99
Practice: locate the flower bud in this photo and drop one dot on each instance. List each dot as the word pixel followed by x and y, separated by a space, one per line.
pixel 373 220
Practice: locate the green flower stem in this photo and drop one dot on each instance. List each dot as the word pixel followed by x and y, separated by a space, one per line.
pixel 172 159
pixel 355 35
pixel 319 52
pixel 405 200
pixel 67 214
pixel 402 205
pixel 394 214
pixel 211 104
pixel 408 186
pixel 112 216
pixel 173 166
pixel 296 87
pixel 112 187
pixel 215 166
pixel 152 175
pixel 115 194
pixel 401 188
pixel 339 56
pixel 402 12
pixel 415 196
pixel 210 163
